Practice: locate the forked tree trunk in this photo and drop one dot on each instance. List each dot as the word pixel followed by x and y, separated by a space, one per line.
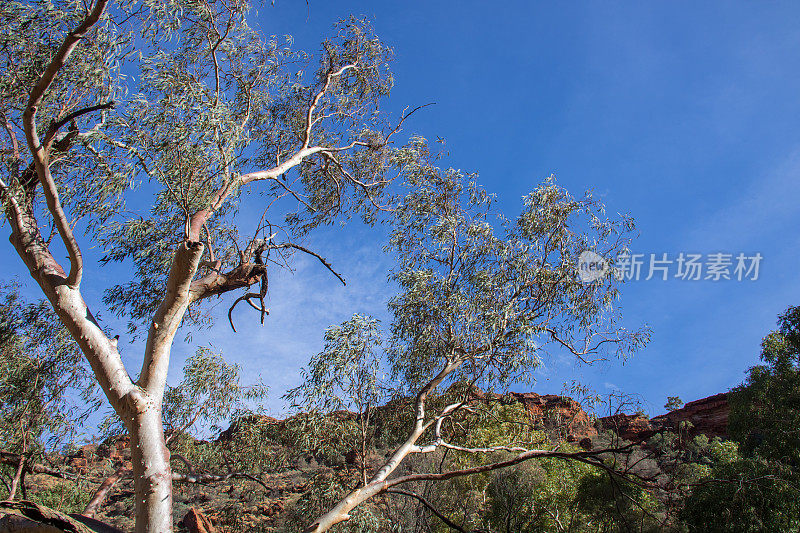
pixel 151 471
pixel 12 493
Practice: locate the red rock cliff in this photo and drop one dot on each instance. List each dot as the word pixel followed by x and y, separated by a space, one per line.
pixel 708 416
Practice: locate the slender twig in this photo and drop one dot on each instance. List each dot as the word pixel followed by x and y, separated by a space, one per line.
pixel 449 523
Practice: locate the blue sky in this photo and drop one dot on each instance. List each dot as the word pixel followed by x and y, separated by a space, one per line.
pixel 684 116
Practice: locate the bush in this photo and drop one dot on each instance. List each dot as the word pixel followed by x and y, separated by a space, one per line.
pixel 65 497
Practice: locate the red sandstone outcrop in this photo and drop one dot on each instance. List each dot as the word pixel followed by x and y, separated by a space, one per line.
pixel 559 413
pixel 562 414
pixel 708 416
pixel 637 427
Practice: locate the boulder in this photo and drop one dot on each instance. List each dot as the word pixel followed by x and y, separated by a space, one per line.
pixel 196 522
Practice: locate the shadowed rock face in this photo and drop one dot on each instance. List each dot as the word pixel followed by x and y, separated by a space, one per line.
pixel 708 416
pixel 635 428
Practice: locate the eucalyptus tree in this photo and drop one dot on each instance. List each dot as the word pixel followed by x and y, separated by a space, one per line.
pixel 481 298
pixel 158 129
pixel 45 386
pixel 211 393
pixel 345 376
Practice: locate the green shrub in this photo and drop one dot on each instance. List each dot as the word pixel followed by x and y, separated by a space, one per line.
pixel 65 497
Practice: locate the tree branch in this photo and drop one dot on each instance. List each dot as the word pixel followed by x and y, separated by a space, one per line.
pixel 449 523
pixel 12 459
pixel 103 491
pixel 206 479
pixel 322 260
pixel 55 126
pixel 168 318
pixel 588 457
pixel 40 154
pixel 310 115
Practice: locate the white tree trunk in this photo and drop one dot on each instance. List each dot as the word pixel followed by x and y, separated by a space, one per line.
pixel 12 493
pixel 151 470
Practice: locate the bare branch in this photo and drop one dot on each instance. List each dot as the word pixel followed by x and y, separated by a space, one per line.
pixel 12 459
pixel 248 298
pixel 449 523
pixel 405 116
pixel 103 491
pixel 580 353
pixel 322 260
pixel 57 125
pixel 205 478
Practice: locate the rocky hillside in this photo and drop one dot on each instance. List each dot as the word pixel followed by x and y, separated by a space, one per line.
pixel 204 499
pixel 707 416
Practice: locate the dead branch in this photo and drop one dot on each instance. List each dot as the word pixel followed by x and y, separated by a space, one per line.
pixel 205 478
pixel 322 260
pixel 248 298
pixel 449 523
pixel 8 458
pixel 57 125
pixel 103 491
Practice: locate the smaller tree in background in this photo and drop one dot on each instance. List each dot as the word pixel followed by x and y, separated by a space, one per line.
pixel 354 387
pixel 46 389
pixel 210 393
pixel 758 488
pixel 744 495
pixel 673 403
pixel 765 409
pixel 480 298
pixel 553 496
